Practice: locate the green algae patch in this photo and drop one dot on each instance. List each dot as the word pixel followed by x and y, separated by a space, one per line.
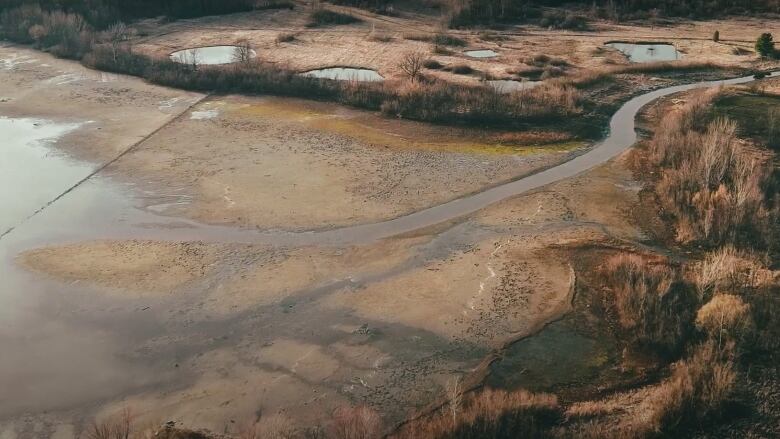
pixel 376 131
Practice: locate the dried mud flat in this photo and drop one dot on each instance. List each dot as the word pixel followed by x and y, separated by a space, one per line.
pixel 212 332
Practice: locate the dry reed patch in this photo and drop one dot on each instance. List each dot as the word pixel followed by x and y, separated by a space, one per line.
pixel 713 186
pixel 652 304
pixel 729 269
pixel 489 414
pixel 696 390
pixel 724 317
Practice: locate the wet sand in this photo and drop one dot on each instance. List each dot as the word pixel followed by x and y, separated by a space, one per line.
pixel 142 287
pixel 152 288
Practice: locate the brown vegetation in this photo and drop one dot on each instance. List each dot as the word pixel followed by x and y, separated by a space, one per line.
pixel 712 187
pixel 652 303
pixel 489 414
pixel 438 102
pixel 726 316
pixel 412 64
pixel 470 12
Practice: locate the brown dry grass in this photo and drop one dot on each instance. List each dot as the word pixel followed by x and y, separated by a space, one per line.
pixel 653 306
pixel 712 186
pixel 729 269
pixel 355 423
pixel 489 414
pixel 725 317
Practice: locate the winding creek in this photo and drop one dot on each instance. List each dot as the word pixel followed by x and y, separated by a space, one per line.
pixel 64 202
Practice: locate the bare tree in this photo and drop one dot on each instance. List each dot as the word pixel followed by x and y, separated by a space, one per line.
pixel 116 35
pixel 243 52
pixel 115 427
pixel 412 64
pixel 192 58
pixel 454 397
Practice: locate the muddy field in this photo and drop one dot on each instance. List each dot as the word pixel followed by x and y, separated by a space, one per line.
pixel 174 265
pixel 159 297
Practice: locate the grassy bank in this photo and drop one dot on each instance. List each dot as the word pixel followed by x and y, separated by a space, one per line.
pixel 69 35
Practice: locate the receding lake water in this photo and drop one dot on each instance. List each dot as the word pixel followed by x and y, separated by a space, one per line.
pixel 506 86
pixel 213 55
pixel 640 53
pixel 483 53
pixel 346 74
pixel 31 172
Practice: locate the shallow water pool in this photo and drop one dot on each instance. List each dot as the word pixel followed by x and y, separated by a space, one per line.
pixel 346 74
pixel 507 86
pixel 484 53
pixel 213 55
pixel 640 53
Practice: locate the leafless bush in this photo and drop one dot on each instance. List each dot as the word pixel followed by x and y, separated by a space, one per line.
pixel 356 423
pixel 653 305
pixel 697 389
pixel 114 427
pixel 243 52
pixel 729 269
pixel 490 414
pixel 725 317
pixel 412 64
pixel 276 426
pixel 711 186
pixel 454 397
pixel 116 35
pixel 285 37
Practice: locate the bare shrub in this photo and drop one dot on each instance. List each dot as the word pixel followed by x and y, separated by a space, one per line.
pixel 118 426
pixel 116 35
pixel 724 317
pixel 432 64
pixel 490 414
pixel 730 269
pixel 711 187
pixel 412 64
pixel 454 397
pixel 285 37
pixel 697 389
pixel 462 69
pixel 276 426
pixel 652 304
pixel 356 423
pixel 243 52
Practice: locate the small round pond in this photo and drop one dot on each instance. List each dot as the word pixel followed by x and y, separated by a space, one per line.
pixel 484 53
pixel 345 74
pixel 647 52
pixel 506 86
pixel 213 55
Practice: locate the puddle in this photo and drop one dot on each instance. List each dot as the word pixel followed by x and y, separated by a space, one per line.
pixel 213 55
pixel 557 356
pixel 15 60
pixel 506 86
pixel 640 53
pixel 483 53
pixel 29 166
pixel 204 114
pixel 346 74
